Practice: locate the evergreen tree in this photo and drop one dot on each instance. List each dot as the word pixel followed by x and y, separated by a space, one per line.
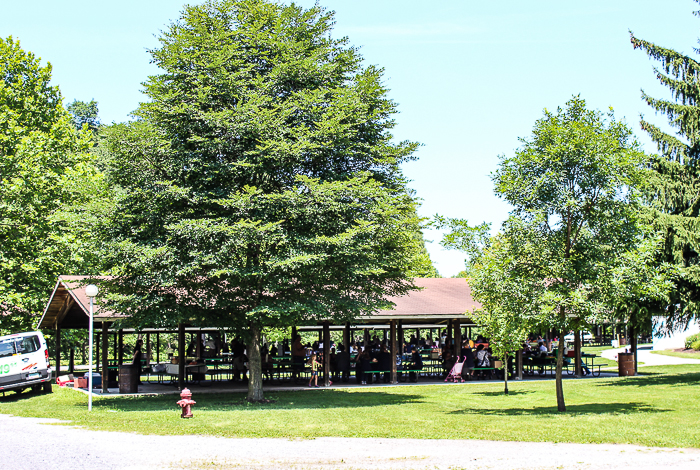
pixel 675 182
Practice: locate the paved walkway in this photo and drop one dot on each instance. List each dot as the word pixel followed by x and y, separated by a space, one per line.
pixel 645 355
pixel 31 443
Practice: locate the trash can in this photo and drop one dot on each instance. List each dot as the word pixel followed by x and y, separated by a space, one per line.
pixel 128 378
pixel 625 362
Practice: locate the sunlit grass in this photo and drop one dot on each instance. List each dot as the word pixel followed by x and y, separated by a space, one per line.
pixel 660 408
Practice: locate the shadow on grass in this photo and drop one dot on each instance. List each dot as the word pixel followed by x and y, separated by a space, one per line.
pixel 13 397
pixel 501 394
pixel 279 401
pixel 653 378
pixel 589 408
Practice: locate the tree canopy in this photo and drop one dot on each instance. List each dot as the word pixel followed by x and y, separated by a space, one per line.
pixel 41 158
pixel 260 184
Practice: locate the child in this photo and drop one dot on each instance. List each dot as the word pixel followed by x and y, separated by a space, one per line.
pixel 314 370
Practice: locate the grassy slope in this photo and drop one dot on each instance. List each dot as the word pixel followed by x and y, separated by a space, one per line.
pixel 678 354
pixel 660 408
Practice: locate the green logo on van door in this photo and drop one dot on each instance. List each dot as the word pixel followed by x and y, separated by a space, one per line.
pixel 5 369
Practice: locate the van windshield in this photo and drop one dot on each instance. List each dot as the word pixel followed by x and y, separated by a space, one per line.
pixel 19 345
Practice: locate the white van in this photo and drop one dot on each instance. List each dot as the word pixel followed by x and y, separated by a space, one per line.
pixel 24 362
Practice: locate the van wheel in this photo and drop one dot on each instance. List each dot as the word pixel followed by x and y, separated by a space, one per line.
pixel 47 387
pixel 36 388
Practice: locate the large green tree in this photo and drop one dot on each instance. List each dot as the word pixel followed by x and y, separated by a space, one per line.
pixel 42 161
pixel 674 189
pixel 259 185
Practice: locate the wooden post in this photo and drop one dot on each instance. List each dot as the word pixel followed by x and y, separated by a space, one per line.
pixel 71 359
pixel 58 350
pixel 365 339
pixel 157 347
pixel 633 345
pixel 458 338
pixel 346 337
pixel 577 353
pixel 393 351
pixel 116 347
pixel 181 356
pixel 326 354
pixel 120 353
pixel 399 332
pixel 105 358
pixel 448 340
pixel 98 369
pixel 148 349
pixel 198 345
pixel 417 336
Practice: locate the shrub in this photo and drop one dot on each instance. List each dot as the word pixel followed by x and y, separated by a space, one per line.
pixel 691 340
pixel 696 345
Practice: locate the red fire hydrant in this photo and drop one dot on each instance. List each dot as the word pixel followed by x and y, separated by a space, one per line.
pixel 186 403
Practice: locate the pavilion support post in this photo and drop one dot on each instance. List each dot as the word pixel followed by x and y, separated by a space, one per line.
pixel 365 339
pixel 294 335
pixel 417 336
pixel 326 354
pixel 148 349
pixel 71 359
pixel 115 347
pixel 393 351
pixel 458 338
pixel 120 351
pixel 399 332
pixel 181 356
pixel 198 347
pixel 633 346
pixel 448 340
pixel 346 336
pixel 105 357
pixel 519 364
pixel 157 348
pixel 58 350
pixel 577 353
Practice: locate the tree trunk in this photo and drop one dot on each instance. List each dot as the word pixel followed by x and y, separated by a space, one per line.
pixel 505 373
pixel 255 383
pixel 561 406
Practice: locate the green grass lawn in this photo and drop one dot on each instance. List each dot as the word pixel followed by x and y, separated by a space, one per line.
pixel 660 408
pixel 687 355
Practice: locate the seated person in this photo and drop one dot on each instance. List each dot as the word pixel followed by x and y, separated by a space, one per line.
pixel 448 360
pixel 416 364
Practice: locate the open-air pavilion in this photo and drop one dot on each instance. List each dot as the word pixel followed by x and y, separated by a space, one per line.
pixel 440 304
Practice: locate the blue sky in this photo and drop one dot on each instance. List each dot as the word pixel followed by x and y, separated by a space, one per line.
pixel 469 77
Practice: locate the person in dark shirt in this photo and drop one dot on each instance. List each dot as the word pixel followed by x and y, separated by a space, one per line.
pixel 384 363
pixel 468 364
pixel 416 364
pixel 342 363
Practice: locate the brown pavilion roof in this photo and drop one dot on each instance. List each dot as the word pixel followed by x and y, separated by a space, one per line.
pixel 69 305
pixel 436 301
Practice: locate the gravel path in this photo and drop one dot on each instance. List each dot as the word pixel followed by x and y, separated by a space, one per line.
pixel 33 443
